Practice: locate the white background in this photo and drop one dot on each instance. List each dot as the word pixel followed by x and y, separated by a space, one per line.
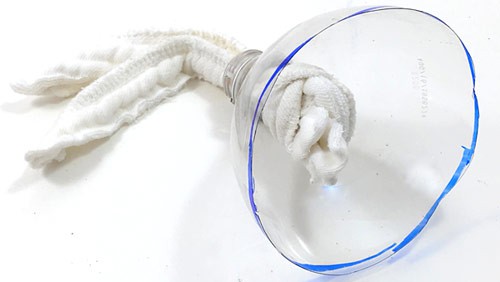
pixel 158 200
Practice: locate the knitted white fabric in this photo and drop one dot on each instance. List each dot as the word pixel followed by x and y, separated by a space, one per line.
pixel 312 114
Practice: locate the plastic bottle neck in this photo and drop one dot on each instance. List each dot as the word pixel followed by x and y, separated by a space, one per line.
pixel 236 71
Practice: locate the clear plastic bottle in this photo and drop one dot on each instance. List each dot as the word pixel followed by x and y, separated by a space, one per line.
pixel 416 129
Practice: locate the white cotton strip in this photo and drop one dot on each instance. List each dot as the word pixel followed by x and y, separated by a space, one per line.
pixel 310 113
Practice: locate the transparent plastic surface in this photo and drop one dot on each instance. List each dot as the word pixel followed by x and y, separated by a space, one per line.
pixel 416 128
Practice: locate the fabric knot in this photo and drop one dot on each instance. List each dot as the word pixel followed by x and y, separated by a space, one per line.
pixel 312 115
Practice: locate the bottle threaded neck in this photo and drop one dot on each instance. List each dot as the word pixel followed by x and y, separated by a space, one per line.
pixel 236 71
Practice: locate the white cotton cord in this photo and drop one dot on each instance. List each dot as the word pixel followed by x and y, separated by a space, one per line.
pixel 311 113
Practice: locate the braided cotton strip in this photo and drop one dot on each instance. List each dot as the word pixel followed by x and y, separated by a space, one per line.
pixel 312 114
